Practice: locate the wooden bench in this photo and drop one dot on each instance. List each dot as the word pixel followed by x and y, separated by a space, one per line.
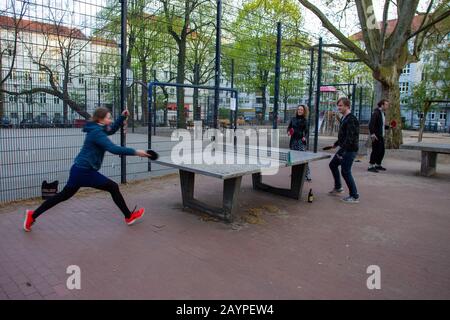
pixel 429 155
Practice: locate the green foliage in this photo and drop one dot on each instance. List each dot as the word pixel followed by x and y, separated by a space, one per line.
pixel 253 47
pixel 435 84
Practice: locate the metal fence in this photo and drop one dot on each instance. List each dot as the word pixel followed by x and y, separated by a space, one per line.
pixel 61 59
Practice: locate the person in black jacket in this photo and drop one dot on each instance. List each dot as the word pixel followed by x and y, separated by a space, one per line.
pixel 377 130
pixel 348 140
pixel 298 130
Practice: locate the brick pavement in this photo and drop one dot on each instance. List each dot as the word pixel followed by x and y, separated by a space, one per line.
pixel 291 250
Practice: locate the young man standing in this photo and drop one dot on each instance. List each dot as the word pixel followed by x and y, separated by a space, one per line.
pixel 347 142
pixel 377 130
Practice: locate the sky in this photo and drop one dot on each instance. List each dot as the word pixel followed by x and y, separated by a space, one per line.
pixel 86 10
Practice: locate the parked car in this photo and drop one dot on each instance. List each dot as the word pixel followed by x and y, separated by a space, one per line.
pixel 5 122
pixel 42 122
pixel 58 121
pixel 27 123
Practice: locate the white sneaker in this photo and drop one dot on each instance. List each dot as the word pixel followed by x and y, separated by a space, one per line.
pixel 350 199
pixel 336 192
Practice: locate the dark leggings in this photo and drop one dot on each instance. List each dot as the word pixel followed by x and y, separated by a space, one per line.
pixel 69 190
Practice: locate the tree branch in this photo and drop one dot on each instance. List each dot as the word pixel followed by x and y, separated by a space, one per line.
pixel 339 35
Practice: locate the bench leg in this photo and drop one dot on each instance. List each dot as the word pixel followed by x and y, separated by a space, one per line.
pixel 428 165
pixel 297 178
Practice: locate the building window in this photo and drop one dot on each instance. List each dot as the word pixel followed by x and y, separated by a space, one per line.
pixel 407 69
pixel 432 115
pixel 81 78
pixel 56 100
pixel 404 87
pixel 42 97
pixel 104 88
pixel 443 115
pixel 13 98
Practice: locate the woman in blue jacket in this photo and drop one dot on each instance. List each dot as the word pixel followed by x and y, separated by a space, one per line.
pixel 84 172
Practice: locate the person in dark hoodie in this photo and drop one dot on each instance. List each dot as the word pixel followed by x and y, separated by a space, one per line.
pixel 348 140
pixel 298 131
pixel 84 172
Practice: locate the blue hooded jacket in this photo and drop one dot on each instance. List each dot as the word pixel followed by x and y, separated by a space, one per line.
pixel 97 142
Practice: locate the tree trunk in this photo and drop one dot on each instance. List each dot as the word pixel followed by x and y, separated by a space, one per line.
pixel 285 109
pixel 2 94
pixel 144 94
pixel 426 109
pixel 166 99
pixel 2 103
pixel 264 103
pixel 196 106
pixel 388 88
pixel 181 64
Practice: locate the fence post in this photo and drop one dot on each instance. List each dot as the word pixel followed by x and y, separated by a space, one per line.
pixel 232 87
pixel 360 103
pixel 123 83
pixel 217 66
pixel 149 122
pixel 311 75
pixel 353 96
pixel 319 80
pixel 277 78
pixel 154 104
pixel 98 92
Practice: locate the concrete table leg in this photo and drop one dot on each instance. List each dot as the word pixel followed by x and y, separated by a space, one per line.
pixel 297 178
pixel 428 165
pixel 187 180
pixel 231 189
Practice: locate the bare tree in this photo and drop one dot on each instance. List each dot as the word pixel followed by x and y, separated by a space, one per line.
pixel 8 47
pixel 178 16
pixel 55 57
pixel 200 57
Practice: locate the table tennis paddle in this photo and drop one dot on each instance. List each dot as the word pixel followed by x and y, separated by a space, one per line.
pixel 393 124
pixel 153 155
pixel 327 148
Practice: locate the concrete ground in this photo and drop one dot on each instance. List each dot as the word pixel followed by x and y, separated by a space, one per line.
pixel 277 249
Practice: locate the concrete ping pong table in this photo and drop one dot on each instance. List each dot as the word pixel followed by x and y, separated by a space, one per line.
pixel 232 174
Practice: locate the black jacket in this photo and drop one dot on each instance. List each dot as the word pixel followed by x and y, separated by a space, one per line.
pixel 376 123
pixel 300 126
pixel 348 136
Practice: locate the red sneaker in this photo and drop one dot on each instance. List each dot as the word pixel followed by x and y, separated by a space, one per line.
pixel 135 215
pixel 29 220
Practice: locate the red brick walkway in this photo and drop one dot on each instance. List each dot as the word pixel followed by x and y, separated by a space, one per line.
pixel 295 250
